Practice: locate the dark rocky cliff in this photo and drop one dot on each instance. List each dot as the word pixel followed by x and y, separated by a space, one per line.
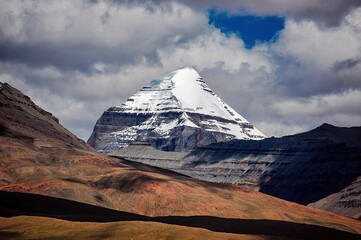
pixel 302 168
pixel 179 138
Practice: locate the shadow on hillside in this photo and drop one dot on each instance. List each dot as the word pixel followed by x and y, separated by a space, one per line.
pixel 211 186
pixel 148 168
pixel 15 204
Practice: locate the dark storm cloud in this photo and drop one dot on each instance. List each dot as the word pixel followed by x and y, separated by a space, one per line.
pixel 105 17
pixel 346 64
pixel 328 12
pixel 71 57
pixel 149 5
pixel 306 80
pixel 325 12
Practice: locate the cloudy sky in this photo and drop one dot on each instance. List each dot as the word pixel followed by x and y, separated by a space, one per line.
pixel 287 66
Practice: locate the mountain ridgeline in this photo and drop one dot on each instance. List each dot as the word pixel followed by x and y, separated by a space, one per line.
pixel 176 112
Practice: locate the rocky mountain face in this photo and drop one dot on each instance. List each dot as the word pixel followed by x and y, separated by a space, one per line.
pixel 302 168
pixel 345 202
pixel 175 112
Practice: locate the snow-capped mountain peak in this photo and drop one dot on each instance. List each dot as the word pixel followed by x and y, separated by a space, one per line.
pixel 182 90
pixel 177 100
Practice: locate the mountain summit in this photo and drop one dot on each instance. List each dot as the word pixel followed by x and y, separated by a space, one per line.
pixel 175 112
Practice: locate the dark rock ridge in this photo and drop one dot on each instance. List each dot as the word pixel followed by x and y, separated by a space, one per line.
pixel 22 118
pixel 176 112
pixel 302 168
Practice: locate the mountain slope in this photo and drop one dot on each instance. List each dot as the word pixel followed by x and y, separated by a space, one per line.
pixel 21 119
pixel 62 166
pixel 176 112
pixel 345 202
pixel 303 168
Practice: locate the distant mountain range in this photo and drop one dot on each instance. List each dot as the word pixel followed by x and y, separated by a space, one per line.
pixel 175 112
pixel 322 166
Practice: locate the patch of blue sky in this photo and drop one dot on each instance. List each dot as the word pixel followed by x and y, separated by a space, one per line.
pixel 251 29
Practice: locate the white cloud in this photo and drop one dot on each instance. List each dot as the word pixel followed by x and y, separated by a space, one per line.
pixel 322 106
pixel 311 44
pixel 211 50
pixel 73 34
pixel 81 22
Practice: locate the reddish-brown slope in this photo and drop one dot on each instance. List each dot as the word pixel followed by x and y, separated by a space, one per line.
pixel 25 204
